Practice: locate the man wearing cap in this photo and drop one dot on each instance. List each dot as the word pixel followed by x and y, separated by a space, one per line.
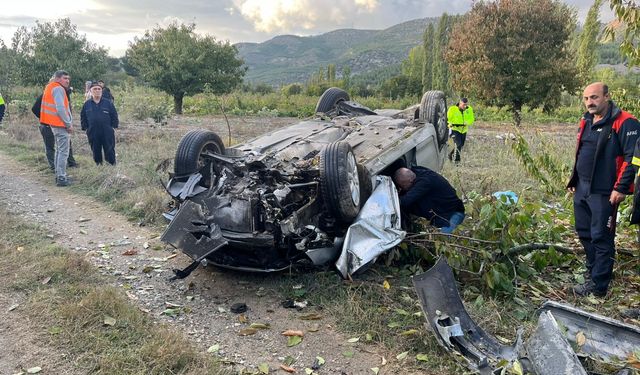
pixel 55 112
pixel 459 118
pixel 99 118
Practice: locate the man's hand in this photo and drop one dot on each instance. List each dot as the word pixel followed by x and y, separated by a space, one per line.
pixel 616 197
pixel 571 190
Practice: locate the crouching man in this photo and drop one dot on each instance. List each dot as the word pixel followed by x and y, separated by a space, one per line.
pixel 425 193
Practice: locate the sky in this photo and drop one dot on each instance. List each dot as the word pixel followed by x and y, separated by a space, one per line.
pixel 115 23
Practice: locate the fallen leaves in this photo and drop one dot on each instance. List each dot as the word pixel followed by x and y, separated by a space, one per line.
pixel 581 339
pixel 130 252
pixel 247 332
pixel 213 348
pixel 293 340
pixel 109 321
pixel 291 332
pixel 287 369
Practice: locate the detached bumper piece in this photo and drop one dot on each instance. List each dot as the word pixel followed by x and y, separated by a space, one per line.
pixel 193 232
pixel 452 325
pixel 549 350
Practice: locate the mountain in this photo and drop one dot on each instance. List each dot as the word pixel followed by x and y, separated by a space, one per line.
pixel 290 58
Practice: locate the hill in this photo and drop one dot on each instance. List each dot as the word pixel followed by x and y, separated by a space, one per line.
pixel 290 58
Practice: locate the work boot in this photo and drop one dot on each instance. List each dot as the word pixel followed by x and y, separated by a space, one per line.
pixel 63 181
pixel 587 288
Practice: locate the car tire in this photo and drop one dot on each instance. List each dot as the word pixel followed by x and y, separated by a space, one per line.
pixel 330 98
pixel 433 109
pixel 339 181
pixel 189 157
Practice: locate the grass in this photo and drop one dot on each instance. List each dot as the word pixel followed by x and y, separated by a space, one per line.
pixel 363 308
pixel 69 311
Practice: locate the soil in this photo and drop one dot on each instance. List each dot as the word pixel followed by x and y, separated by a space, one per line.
pixel 86 226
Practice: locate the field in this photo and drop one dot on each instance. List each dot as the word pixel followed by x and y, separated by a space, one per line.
pixel 500 300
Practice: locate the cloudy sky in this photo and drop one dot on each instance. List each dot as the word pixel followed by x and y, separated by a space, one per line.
pixel 113 23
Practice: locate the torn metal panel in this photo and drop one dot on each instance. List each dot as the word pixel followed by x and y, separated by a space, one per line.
pixel 375 230
pixel 549 351
pixel 453 327
pixel 192 231
pixel 606 339
pixel 186 189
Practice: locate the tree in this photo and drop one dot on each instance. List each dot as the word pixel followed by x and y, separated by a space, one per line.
pixel 628 22
pixel 331 73
pixel 427 61
pixel 440 74
pixel 412 69
pixel 514 52
pixel 346 77
pixel 8 76
pixel 178 61
pixel 587 50
pixel 51 46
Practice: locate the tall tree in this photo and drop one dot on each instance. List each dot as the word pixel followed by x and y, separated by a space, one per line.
pixel 440 75
pixel 587 50
pixel 346 77
pixel 52 46
pixel 8 61
pixel 412 69
pixel 331 73
pixel 427 67
pixel 514 52
pixel 178 61
pixel 628 23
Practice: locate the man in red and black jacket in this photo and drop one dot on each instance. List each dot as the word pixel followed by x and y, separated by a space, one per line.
pixel 602 177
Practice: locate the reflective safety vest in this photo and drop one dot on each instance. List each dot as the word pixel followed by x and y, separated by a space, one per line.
pixel 458 120
pixel 1 100
pixel 48 112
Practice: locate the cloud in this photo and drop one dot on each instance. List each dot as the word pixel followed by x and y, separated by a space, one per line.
pixel 288 15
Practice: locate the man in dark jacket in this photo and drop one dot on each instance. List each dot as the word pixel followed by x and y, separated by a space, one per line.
pixel 602 177
pixel 49 139
pixel 106 92
pixel 425 193
pixel 99 118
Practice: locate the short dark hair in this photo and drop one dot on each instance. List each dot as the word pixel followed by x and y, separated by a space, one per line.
pixel 100 81
pixel 605 89
pixel 464 100
pixel 60 73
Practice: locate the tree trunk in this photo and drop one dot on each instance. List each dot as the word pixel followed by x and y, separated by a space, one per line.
pixel 177 103
pixel 517 109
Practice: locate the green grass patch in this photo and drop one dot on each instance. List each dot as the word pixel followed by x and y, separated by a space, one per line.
pixel 73 310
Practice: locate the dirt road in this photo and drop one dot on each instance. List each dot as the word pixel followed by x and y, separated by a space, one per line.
pixel 83 225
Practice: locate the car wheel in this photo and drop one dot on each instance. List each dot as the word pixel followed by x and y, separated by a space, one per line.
pixel 190 156
pixel 433 107
pixel 339 181
pixel 330 98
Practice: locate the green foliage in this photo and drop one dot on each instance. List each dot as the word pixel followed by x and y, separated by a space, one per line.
pixel 178 61
pixel 543 167
pixel 628 15
pixel 51 46
pixel 412 69
pixel 427 49
pixel 507 224
pixel 587 51
pixel 514 52
pixel 440 73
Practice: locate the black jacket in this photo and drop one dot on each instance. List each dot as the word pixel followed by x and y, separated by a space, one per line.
pixel 612 169
pixel 431 197
pixel 98 117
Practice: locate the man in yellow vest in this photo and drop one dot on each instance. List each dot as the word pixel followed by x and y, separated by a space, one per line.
pixel 459 117
pixel 56 112
pixel 2 107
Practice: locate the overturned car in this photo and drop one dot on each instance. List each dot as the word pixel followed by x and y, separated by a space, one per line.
pixel 291 194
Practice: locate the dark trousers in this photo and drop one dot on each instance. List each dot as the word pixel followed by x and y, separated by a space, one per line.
pixel 458 141
pixel 50 148
pixel 103 140
pixel 2 107
pixel 594 217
